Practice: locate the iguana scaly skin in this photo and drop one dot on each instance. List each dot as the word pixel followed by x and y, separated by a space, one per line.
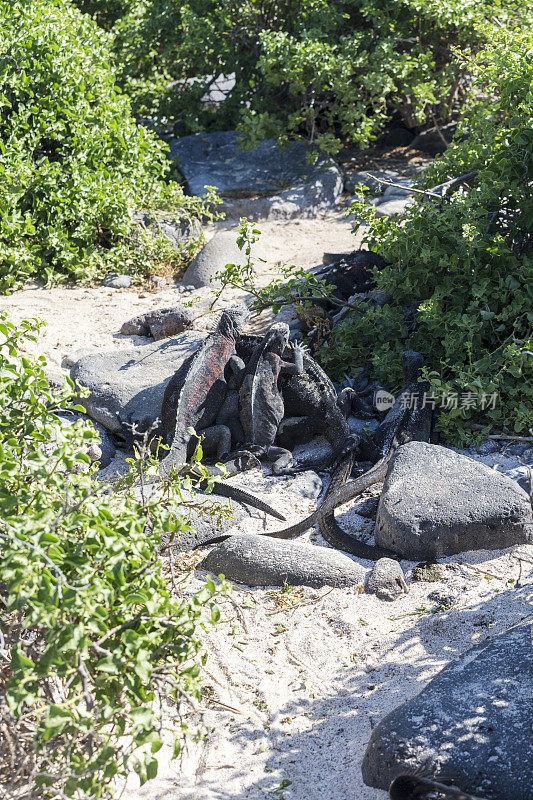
pixel 261 406
pixel 404 423
pixel 311 395
pixel 409 419
pixel 311 401
pixel 194 397
pixel 196 392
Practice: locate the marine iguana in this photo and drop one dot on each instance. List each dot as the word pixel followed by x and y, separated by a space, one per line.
pixel 311 408
pixel 415 787
pixel 193 399
pixel 403 424
pixel 409 419
pixel 261 406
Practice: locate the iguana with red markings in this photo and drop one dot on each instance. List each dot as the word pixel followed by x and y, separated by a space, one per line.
pixel 193 399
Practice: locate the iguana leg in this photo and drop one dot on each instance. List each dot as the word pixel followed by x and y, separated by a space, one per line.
pixel 241 461
pixel 217 439
pixel 297 367
pixel 344 400
pixel 229 416
pixel 282 459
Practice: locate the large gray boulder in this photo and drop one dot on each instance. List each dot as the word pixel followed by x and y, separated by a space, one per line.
pixel 262 561
pixel 436 502
pixel 471 724
pixel 220 250
pixel 265 182
pixel 127 386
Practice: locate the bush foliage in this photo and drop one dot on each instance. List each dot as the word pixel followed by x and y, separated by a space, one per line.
pixel 73 163
pixel 314 68
pixel 460 280
pixel 93 641
pixel 465 265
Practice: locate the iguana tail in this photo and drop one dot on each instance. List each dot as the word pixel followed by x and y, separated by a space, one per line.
pixel 342 495
pixel 242 496
pixel 332 531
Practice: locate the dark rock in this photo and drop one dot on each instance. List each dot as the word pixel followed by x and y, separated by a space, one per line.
pixel 127 386
pixel 265 182
pixel 117 281
pixel 367 508
pixel 386 580
pixel 436 502
pixel 395 136
pixel 431 141
pixel 428 572
pixel 220 250
pixel 262 561
pixel 487 447
pixel 470 725
pixel 160 323
pixel 523 475
pixel 445 598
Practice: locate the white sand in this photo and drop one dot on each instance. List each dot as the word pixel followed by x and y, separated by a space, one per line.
pixel 311 681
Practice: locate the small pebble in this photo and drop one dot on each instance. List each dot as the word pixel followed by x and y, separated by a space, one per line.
pixel 117 281
pixel 428 572
pixel 487 447
pixel 386 580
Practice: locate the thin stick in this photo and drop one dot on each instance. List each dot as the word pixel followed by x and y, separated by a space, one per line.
pixel 478 569
pixel 408 189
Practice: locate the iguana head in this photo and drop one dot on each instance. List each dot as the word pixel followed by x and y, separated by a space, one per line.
pixel 412 363
pixel 277 338
pixel 233 320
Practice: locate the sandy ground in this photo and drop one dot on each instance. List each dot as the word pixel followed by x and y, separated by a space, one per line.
pixel 87 318
pixel 308 673
pixel 311 683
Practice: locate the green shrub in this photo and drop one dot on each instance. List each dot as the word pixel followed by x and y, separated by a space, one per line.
pixel 97 640
pixel 461 269
pixel 327 71
pixel 465 265
pixel 73 163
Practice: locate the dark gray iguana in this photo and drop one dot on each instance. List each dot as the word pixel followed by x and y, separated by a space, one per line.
pixel 409 419
pixel 261 406
pixel 194 397
pixel 401 424
pixel 311 408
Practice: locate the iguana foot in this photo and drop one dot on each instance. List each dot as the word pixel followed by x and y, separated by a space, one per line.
pixel 241 462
